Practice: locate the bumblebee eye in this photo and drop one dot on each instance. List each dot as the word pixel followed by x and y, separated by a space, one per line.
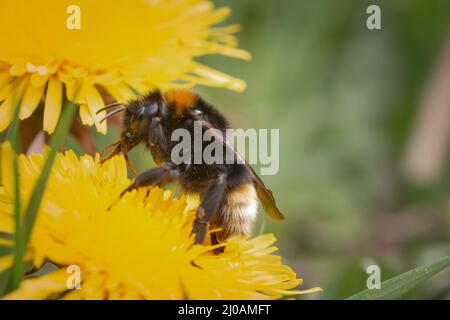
pixel 140 110
pixel 128 135
pixel 195 112
pixel 152 109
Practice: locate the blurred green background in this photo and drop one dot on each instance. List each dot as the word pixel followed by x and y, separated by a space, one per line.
pixel 347 101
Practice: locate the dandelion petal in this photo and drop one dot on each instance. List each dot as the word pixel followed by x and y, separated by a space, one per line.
pixel 30 101
pixel 53 101
pixel 95 102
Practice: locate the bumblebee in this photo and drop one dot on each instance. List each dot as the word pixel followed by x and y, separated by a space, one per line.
pixel 229 192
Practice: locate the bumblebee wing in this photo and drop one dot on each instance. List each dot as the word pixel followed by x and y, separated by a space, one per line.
pixel 265 195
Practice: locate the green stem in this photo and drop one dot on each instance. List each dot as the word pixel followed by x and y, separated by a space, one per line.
pixel 14 137
pixel 36 198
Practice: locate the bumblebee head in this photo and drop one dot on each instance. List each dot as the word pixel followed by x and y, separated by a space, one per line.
pixel 137 114
pixel 170 107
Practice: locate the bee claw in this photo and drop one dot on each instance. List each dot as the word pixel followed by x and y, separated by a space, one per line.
pixel 130 188
pixel 195 265
pixel 112 204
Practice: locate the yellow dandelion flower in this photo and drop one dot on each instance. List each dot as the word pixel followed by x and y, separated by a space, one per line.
pixel 105 47
pixel 141 247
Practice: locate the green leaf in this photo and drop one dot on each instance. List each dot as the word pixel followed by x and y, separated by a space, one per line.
pixel 395 287
pixel 14 138
pixel 57 139
pixel 36 197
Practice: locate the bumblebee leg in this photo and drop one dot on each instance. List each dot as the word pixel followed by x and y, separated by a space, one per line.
pixel 214 241
pixel 156 176
pixel 211 200
pixel 157 140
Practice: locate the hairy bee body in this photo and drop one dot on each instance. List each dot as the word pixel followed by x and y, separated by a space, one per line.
pixel 229 192
pixel 237 213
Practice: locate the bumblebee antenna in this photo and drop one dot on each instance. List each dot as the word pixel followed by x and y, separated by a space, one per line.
pixel 109 106
pixel 111 114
